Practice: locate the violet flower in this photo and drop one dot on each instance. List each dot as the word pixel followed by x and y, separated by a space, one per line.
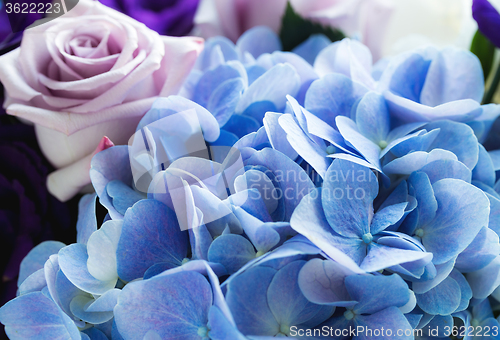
pixel 167 17
pixel 488 20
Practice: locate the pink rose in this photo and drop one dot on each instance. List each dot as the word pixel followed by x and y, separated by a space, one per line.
pixel 91 73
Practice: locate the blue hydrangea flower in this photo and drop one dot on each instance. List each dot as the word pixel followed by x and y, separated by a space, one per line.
pixel 176 304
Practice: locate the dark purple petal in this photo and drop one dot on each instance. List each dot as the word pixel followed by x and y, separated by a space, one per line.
pixel 488 20
pixel 167 17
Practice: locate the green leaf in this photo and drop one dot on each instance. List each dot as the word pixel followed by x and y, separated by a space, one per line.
pixel 484 50
pixel 295 30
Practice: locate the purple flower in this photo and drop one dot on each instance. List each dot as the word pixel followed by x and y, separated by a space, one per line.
pixel 167 17
pixel 488 20
pixel 28 213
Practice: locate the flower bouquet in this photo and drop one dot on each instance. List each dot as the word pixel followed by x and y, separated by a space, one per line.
pixel 295 174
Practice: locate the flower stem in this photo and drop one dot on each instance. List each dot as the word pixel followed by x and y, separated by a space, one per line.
pixel 488 97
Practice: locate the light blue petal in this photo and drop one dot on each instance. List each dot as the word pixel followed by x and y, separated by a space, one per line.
pixel 87 222
pixel 232 251
pixel 303 145
pixel 51 268
pixel 101 249
pixel 484 281
pixel 322 282
pixel 37 257
pixel 372 117
pixel 462 211
pixel 273 86
pixel 34 316
pixel 150 234
pixel 277 136
pixel 409 111
pixel 286 301
pixel 33 283
pixel 389 319
pixel 95 334
pixel 77 307
pixel 247 298
pixel 443 299
pixel 386 217
pixel 105 302
pixel 310 48
pixel 122 196
pixel 73 263
pixel 164 107
pixel 211 80
pixel 458 138
pixel 415 161
pixel 480 252
pixel 347 197
pixel 484 170
pixel 380 257
pixel 409 78
pixel 376 293
pixel 107 165
pixel 465 290
pixel 241 125
pixel 348 57
pixel 223 100
pixel 446 168
pixel 220 327
pixel 222 45
pixel 333 95
pixel 258 40
pixel 441 272
pixel 368 149
pixel 200 240
pixel 288 174
pixel 174 306
pixel 419 141
pixel 309 220
pixel 262 235
pixel 453 74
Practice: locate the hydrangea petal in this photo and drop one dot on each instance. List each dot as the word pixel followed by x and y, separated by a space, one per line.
pixel 349 216
pixel 480 252
pixel 372 117
pixel 285 298
pixel 322 282
pixel 174 306
pixel 453 75
pixel 101 249
pixel 249 306
pixel 333 95
pixel 122 196
pixel 36 258
pixel 484 281
pixel 272 86
pixel 309 220
pixel 33 283
pixel 150 234
pixel 462 211
pixel 73 262
pixel 232 251
pixel 87 222
pixel 389 318
pixel 458 138
pixel 443 299
pixel 35 315
pixel 258 40
pixel 369 291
